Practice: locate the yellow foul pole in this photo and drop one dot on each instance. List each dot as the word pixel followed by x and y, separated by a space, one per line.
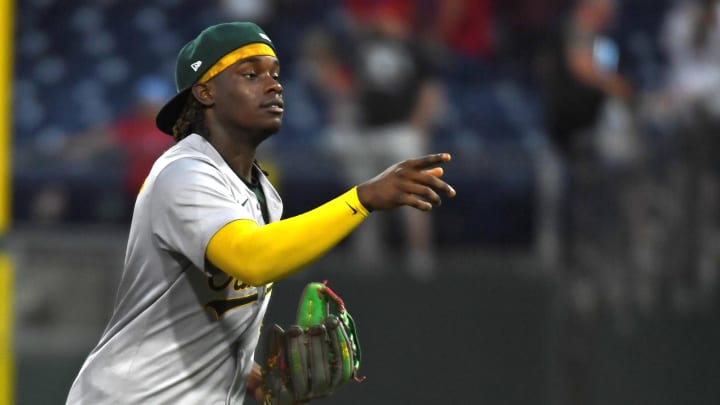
pixel 7 381
pixel 7 13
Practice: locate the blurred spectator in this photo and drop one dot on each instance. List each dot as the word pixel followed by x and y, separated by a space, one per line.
pixel 328 75
pixel 467 27
pixel 396 98
pixel 588 105
pixel 691 41
pixel 133 137
pixel 691 115
pixel 258 11
pixel 582 72
pixel 364 12
pixel 522 27
pixel 461 32
pixel 589 120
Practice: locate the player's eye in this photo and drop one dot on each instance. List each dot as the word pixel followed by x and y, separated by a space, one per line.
pixel 249 75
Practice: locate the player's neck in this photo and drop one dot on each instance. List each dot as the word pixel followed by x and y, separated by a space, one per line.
pixel 241 165
pixel 238 155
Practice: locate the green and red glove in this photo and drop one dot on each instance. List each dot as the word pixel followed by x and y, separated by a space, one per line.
pixel 315 357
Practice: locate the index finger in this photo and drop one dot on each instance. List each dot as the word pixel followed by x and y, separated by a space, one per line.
pixel 435 171
pixel 429 160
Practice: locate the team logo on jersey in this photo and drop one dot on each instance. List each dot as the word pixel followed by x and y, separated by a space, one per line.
pixel 221 281
pixel 264 36
pixel 196 65
pixel 220 307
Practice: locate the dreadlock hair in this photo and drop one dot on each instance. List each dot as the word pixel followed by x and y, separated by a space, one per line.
pixel 191 120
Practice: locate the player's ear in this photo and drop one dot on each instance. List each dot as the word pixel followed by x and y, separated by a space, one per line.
pixel 203 94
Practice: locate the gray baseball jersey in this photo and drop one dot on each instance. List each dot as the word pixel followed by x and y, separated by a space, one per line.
pixel 181 332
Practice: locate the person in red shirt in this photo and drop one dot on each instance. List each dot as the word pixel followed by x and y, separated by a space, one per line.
pixel 138 137
pixel 131 140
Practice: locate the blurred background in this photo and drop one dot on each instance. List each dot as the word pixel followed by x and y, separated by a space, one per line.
pixel 578 263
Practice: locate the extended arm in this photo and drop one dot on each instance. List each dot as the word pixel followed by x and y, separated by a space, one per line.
pixel 260 254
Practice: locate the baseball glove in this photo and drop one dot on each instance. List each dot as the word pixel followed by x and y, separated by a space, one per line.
pixel 316 356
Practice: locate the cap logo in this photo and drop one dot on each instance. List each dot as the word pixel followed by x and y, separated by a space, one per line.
pixel 196 65
pixel 264 36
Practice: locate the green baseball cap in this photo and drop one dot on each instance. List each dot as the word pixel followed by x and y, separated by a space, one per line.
pixel 199 55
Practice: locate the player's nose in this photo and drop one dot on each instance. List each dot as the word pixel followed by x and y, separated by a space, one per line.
pixel 273 85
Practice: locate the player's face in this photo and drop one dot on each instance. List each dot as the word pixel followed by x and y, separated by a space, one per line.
pixel 248 96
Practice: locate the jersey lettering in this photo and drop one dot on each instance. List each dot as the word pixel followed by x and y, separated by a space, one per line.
pixel 222 281
pixel 219 285
pixel 221 307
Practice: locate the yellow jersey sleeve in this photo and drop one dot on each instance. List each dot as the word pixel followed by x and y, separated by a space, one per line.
pixel 258 254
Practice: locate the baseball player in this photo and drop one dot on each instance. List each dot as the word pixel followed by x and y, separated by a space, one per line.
pixel 207 240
